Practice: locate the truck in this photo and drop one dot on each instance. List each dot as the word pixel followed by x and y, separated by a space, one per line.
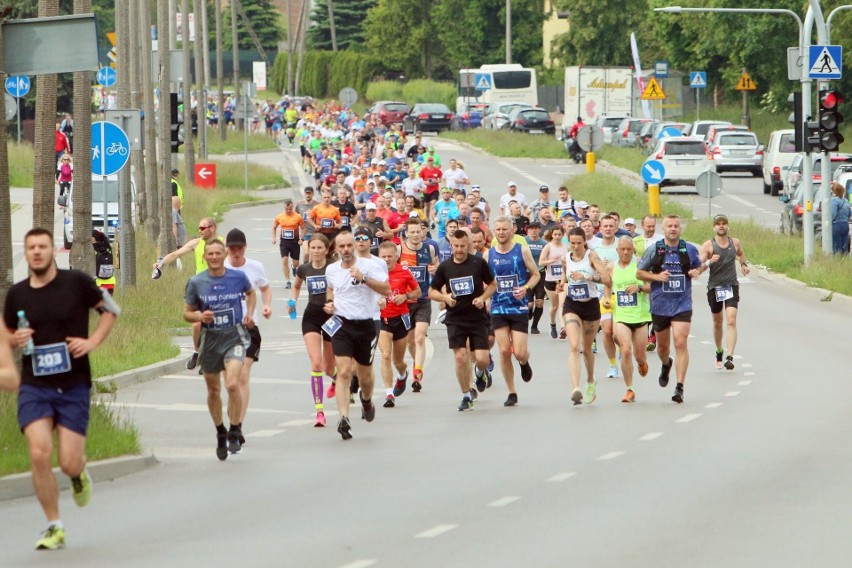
pixel 592 93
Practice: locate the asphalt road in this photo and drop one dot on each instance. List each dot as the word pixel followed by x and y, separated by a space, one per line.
pixel 750 471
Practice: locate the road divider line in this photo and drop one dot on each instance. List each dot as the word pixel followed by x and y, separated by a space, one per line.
pixel 713 405
pixel 741 200
pixel 687 418
pixel 297 423
pixel 264 433
pixel 360 563
pixel 706 343
pixel 610 456
pixel 743 383
pixel 437 530
pixel 732 393
pixel 562 476
pixel 749 374
pixel 651 436
pixel 502 502
pixel 746 365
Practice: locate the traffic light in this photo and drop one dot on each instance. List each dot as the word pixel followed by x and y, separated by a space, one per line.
pixel 830 118
pixel 796 119
pixel 176 122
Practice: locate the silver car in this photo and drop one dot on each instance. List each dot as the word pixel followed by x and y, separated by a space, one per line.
pixel 497 115
pixel 625 134
pixel 737 151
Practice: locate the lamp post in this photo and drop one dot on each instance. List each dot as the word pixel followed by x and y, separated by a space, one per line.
pixel 508 31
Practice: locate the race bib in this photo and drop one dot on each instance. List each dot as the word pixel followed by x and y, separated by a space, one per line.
pixel 724 293
pixel 462 286
pixel 223 319
pixel 507 283
pixel 316 284
pixel 625 300
pixel 676 284
pixel 327 223
pixel 556 269
pixel 419 273
pixel 446 255
pixel 332 325
pixel 444 213
pixel 51 359
pixel 579 292
pixel 406 321
pixel 376 242
pixel 345 221
pixel 288 234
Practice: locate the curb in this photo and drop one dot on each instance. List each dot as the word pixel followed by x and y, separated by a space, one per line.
pixel 20 485
pixel 143 374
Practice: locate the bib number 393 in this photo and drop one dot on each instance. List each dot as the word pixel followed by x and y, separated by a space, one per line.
pixel 625 300
pixel 51 359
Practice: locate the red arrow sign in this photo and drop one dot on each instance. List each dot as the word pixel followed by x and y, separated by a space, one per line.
pixel 205 176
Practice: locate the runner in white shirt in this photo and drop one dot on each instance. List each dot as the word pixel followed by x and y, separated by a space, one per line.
pixel 413 185
pixel 455 177
pixel 512 195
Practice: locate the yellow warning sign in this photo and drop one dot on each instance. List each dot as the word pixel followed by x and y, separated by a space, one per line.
pixel 653 91
pixel 746 83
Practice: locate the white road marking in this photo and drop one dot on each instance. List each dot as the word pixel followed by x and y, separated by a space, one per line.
pixel 713 405
pixel 360 563
pixel 687 418
pixel 264 433
pixel 609 456
pixel 651 436
pixel 436 531
pixel 563 476
pixel 503 502
pixel 746 365
pixel 749 374
pixel 743 383
pixel 706 343
pixel 294 423
pixel 254 380
pixel 182 407
pixel 741 200
pixel 732 393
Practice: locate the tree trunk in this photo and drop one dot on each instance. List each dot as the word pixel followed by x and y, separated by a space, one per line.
pixel 82 256
pixel 220 74
pixel 290 50
pixel 188 146
pixel 300 38
pixel 137 158
pixel 235 50
pixel 205 33
pixel 166 240
pixel 331 26
pixel 200 95
pixel 152 200
pixel 6 256
pixel 44 177
pixel 126 234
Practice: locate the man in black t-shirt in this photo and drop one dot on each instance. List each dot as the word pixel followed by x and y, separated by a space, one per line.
pixel 56 377
pixel 464 283
pixel 346 207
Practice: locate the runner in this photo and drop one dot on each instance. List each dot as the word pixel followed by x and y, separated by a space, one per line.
pixel 325 218
pixel 632 313
pixel 55 378
pixel 422 260
pixel 720 255
pixel 10 378
pixel 317 341
pixel 354 287
pixel 606 251
pixel 236 245
pixel 581 310
pixel 535 301
pixel 552 256
pixel 516 274
pixel 670 265
pixel 470 284
pixel 396 322
pixel 292 227
pixel 643 242
pixel 303 208
pixel 431 175
pixel 214 298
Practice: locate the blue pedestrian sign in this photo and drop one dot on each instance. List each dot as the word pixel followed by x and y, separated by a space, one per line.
pixel 106 76
pixel 698 79
pixel 110 148
pixel 826 61
pixel 18 85
pixel 661 69
pixel 669 132
pixel 653 172
pixel 482 81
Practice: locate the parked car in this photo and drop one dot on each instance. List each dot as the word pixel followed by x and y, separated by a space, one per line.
pixel 645 138
pixel 714 131
pixel 627 130
pixel 469 115
pixel 98 202
pixel 531 121
pixel 699 128
pixel 779 153
pixel 794 174
pixel 737 151
pixel 497 114
pixel 389 112
pixel 684 159
pixel 608 123
pixel 655 133
pixel 794 208
pixel 427 117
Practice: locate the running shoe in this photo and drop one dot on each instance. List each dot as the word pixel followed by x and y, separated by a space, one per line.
pixel 490 363
pixel 719 359
pixel 526 372
pixel 399 386
pixel 81 489
pixel 534 331
pixel 729 362
pixel 613 372
pixel 594 346
pixel 415 385
pixel 442 315
pixel 643 368
pixel 288 285
pixel 329 392
pixel 591 393
pixel 512 400
pixel 466 404
pixel 368 410
pixel 242 438
pixel 51 539
pixel 664 373
pixel 489 380
pixel 222 446
pixel 563 333
pixel 652 342
pixel 577 396
pixel 678 394
pixel 389 401
pixel 629 396
pixel 473 394
pixel 234 445
pixel 553 332
pixel 344 428
pixel 320 421
pixel 481 382
pixel 354 385
pixel 192 361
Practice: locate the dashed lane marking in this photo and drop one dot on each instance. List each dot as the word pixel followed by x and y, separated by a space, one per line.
pixel 650 436
pixel 732 393
pixel 360 563
pixel 503 501
pixel 687 418
pixel 436 531
pixel 713 405
pixel 743 383
pixel 749 374
pixel 562 476
pixel 183 407
pixel 610 456
pixel 264 433
pixel 746 365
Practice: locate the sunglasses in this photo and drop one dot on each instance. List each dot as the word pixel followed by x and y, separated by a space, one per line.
pixel 204 228
pixel 362 238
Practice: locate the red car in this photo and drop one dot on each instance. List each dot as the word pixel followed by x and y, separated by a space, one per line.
pixel 389 112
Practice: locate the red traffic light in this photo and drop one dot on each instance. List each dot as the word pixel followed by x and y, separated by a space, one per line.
pixel 830 100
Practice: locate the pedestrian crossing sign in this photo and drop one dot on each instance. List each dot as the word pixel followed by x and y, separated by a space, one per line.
pixel 698 80
pixel 826 61
pixel 482 81
pixel 746 83
pixel 653 91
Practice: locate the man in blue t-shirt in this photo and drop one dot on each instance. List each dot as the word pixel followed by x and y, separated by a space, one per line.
pixel 445 209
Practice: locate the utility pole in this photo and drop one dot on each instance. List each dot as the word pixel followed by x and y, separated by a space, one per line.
pixel 126 234
pixel 137 159
pixel 235 49
pixel 200 90
pixel 220 72
pixel 166 240
pixel 331 26
pixel 508 31
pixel 188 146
pixel 149 125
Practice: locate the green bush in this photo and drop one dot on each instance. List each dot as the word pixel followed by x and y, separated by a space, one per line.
pixel 384 91
pixel 324 73
pixel 427 91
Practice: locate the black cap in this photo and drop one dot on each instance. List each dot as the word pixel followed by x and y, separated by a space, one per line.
pixel 363 231
pixel 236 238
pixel 534 225
pixel 544 189
pixel 175 171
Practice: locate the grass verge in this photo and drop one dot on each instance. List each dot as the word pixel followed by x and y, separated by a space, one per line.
pixel 235 142
pixel 231 175
pixel 627 158
pixel 21 160
pixel 611 194
pixel 505 144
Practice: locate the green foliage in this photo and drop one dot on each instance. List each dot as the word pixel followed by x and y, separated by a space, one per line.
pixel 324 73
pixel 384 91
pixel 610 192
pixel 349 19
pixel 600 31
pixel 426 91
pixel 506 144
pixel 267 22
pixel 21 160
pixel 403 33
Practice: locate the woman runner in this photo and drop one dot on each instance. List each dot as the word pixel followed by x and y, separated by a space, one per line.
pixel 551 258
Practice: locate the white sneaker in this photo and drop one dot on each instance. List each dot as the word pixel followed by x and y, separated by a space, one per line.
pixel 613 373
pixel 442 315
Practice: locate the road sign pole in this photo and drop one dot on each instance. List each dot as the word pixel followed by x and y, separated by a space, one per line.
pixel 18 103
pixel 246 90
pixel 697 104
pixel 654 200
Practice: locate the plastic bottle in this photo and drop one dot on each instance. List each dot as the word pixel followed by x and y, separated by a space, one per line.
pixel 22 324
pixel 291 303
pixel 157 272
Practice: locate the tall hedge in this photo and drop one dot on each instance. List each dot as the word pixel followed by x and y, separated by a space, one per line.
pixel 324 73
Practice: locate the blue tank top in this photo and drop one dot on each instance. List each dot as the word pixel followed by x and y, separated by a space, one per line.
pixel 417 261
pixel 510 272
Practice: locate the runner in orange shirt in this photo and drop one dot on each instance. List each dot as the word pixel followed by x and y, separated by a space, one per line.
pixel 292 227
pixel 325 217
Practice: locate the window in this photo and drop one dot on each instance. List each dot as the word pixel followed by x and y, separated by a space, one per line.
pixel 685 148
pixel 511 79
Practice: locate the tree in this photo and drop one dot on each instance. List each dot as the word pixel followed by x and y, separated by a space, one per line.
pixel 44 178
pixel 600 31
pixel 6 259
pixel 349 17
pixel 266 20
pixel 411 44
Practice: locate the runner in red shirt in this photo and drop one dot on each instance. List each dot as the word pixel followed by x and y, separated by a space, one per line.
pixel 431 176
pixel 396 322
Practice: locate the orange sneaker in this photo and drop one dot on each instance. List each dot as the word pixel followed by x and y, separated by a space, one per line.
pixel 643 369
pixel 629 396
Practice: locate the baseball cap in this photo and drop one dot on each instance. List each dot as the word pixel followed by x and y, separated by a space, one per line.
pixel 511 183
pixel 383 178
pixel 388 195
pixel 544 189
pixel 413 214
pixel 534 225
pixel 370 207
pixel 446 190
pixel 474 188
pixel 374 161
pixel 382 163
pixel 720 217
pixel 376 174
pixel 362 231
pixel 630 221
pixel 235 238
pixel 582 205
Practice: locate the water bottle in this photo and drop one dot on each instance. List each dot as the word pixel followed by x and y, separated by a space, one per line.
pixel 157 272
pixel 292 305
pixel 22 324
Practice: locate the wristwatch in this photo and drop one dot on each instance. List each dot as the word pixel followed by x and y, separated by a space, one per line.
pixel 364 279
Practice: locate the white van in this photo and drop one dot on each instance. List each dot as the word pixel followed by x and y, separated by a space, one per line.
pixel 779 153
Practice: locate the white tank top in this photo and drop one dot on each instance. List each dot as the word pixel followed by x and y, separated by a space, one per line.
pixel 581 290
pixel 553 273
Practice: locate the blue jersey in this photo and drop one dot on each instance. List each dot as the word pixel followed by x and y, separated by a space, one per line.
pixel 535 248
pixel 445 249
pixel 417 261
pixel 221 295
pixel 675 296
pixel 444 211
pixel 510 272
